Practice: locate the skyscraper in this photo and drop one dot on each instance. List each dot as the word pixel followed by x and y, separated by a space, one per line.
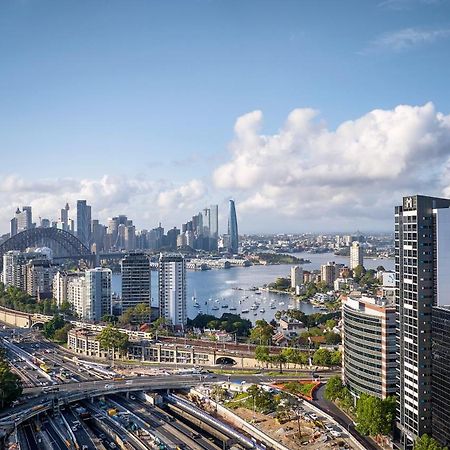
pixel 214 221
pixel 422 267
pixel 233 228
pixel 356 255
pixel 172 289
pixel 136 280
pixel 84 222
pixel 64 217
pixel 441 374
pixel 21 221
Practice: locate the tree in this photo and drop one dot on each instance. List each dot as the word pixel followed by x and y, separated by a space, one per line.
pixel 336 358
pixel 10 384
pixel 109 318
pixel 262 354
pixel 332 338
pixel 368 413
pixel 334 388
pixel 60 334
pixel 426 442
pixel 111 338
pixel 52 325
pixel 322 357
pixel 262 333
pixel 358 273
pixel 375 416
pixel 279 359
pixel 330 324
pixel 65 307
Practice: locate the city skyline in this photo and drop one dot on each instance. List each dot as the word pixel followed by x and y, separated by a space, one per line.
pixel 118 119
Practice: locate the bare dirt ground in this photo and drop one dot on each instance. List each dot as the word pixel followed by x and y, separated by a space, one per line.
pixel 287 434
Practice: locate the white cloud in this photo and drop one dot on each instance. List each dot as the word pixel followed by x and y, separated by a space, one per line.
pixel 146 202
pixel 355 173
pixel 304 177
pixel 182 197
pixel 406 38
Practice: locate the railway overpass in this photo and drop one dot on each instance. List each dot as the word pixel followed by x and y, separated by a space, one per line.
pixel 21 319
pixel 40 401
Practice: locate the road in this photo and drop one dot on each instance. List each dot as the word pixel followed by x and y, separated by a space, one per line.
pixel 342 418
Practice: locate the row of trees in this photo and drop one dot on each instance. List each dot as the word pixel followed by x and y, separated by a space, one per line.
pixel 14 298
pixel 321 357
pixel 374 416
pixel 231 323
pixel 10 383
pixel 262 332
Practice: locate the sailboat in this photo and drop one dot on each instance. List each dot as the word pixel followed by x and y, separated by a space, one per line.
pixel 194 300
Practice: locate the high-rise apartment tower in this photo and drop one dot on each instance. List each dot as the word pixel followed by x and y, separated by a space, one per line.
pixel 422 273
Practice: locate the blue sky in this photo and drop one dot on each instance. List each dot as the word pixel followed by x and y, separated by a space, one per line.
pixel 146 94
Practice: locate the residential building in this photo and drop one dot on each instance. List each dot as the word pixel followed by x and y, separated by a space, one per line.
pixel 356 255
pixel 84 222
pixel 369 347
pixel 90 294
pixel 76 296
pixel 172 289
pixel 329 272
pixel 98 293
pixel 440 418
pixel 61 285
pixel 296 276
pixel 233 229
pixel 422 267
pixel 39 275
pixel 136 280
pixel 12 271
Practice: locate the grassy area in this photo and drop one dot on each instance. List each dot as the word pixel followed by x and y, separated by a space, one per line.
pixel 235 372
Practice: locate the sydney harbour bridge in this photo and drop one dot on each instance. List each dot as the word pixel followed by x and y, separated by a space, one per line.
pixel 64 245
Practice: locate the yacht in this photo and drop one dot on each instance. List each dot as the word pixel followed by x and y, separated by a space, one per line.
pixel 262 310
pixel 225 306
pixel 281 303
pixel 215 308
pixel 245 311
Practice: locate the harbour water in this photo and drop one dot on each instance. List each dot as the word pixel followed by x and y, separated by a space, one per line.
pixel 214 288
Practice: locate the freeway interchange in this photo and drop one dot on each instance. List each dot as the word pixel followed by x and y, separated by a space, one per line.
pixel 66 400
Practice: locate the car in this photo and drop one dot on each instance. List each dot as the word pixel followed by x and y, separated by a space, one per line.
pixel 195 435
pixel 335 433
pixel 85 447
pixel 313 416
pixel 74 428
pixel 132 397
pixel 112 445
pixel 329 427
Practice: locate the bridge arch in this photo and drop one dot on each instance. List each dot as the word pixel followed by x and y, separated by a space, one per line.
pixel 226 361
pixel 63 244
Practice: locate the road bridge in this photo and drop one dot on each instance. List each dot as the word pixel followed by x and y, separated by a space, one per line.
pixel 39 402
